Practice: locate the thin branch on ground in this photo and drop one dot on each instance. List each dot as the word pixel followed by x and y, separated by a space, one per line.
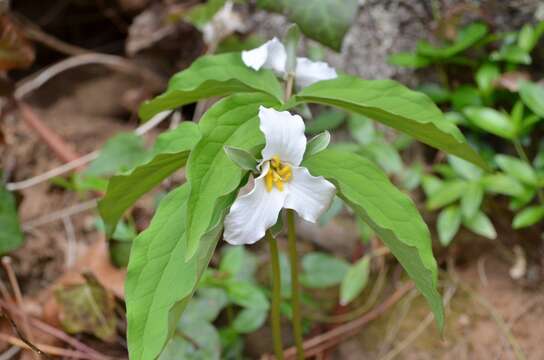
pixel 22 338
pixel 77 163
pixel 58 215
pixel 10 353
pixel 45 350
pixel 334 336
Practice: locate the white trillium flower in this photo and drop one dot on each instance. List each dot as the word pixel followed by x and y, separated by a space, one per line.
pixel 272 55
pixel 282 182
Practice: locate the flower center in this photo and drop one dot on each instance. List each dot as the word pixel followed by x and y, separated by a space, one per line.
pixel 278 174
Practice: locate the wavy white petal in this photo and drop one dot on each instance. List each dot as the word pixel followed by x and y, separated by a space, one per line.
pixel 252 214
pixel 284 134
pixel 270 55
pixel 310 196
pixel 308 72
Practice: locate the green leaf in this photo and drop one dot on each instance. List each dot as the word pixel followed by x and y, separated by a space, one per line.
pixel 247 295
pixel 242 158
pixel 318 143
pixel 327 120
pixel 385 155
pixel 321 270
pixel 517 169
pixel 464 168
pixel 472 199
pixel 11 236
pixel 362 129
pixel 513 54
pixel 448 192
pixel 394 105
pixel 502 184
pixel 120 153
pixel 466 38
pixel 88 307
pixel 491 120
pixel 214 75
pixel 533 96
pixel 464 96
pixel 159 282
pixel 326 21
pixel 481 225
pixel 485 76
pixel 437 93
pixel 249 320
pixel 355 280
pixel 193 340
pixel 448 223
pixel 201 14
pixel 291 41
pixel 171 152
pixel 206 305
pixel 230 122
pixel 390 213
pixel 238 263
pixel 409 60
pixel 528 216
pixel 526 38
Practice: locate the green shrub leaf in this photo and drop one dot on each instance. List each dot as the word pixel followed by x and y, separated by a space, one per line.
pixel 355 280
pixel 533 96
pixel 448 223
pixel 529 216
pixel 322 270
pixel 394 105
pixel 517 169
pixel 171 152
pixel 491 120
pixel 481 225
pixel 215 75
pixel 465 39
pixel 390 213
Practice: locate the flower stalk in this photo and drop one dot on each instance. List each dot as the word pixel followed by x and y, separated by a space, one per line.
pixel 276 295
pixel 295 283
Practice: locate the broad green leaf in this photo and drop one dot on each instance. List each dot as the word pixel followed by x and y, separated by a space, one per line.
pixel 409 60
pixel 528 216
pixel 120 153
pixel 513 54
pixel 466 38
pixel 171 152
pixel 362 129
pixel 517 169
pixel 327 120
pixel 472 199
pixel 394 105
pixel 214 75
pixel 533 96
pixel 247 295
pixel 230 122
pixel 491 120
pixel 390 213
pixel 159 281
pixel 11 236
pixel 355 280
pixel 326 21
pixel 448 223
pixel 448 192
pixel 481 225
pixel 321 270
pixel 502 184
pixel 206 305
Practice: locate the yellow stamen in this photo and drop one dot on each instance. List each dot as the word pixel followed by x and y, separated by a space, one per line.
pixel 278 174
pixel 269 181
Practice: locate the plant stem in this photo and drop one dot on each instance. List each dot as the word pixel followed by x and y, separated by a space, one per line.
pixel 523 155
pixel 289 86
pixel 295 285
pixel 276 295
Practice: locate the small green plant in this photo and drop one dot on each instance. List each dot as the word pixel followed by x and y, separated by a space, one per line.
pixel 500 109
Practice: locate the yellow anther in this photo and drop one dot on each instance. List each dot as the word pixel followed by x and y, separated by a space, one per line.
pixel 275 162
pixel 269 181
pixel 286 169
pixel 287 176
pixel 279 185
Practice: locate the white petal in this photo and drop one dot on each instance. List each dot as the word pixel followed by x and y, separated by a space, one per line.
pixel 270 55
pixel 308 72
pixel 308 195
pixel 284 134
pixel 252 214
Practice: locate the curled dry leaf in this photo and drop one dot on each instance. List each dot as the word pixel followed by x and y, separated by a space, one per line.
pixel 511 80
pixel 15 51
pixel 87 307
